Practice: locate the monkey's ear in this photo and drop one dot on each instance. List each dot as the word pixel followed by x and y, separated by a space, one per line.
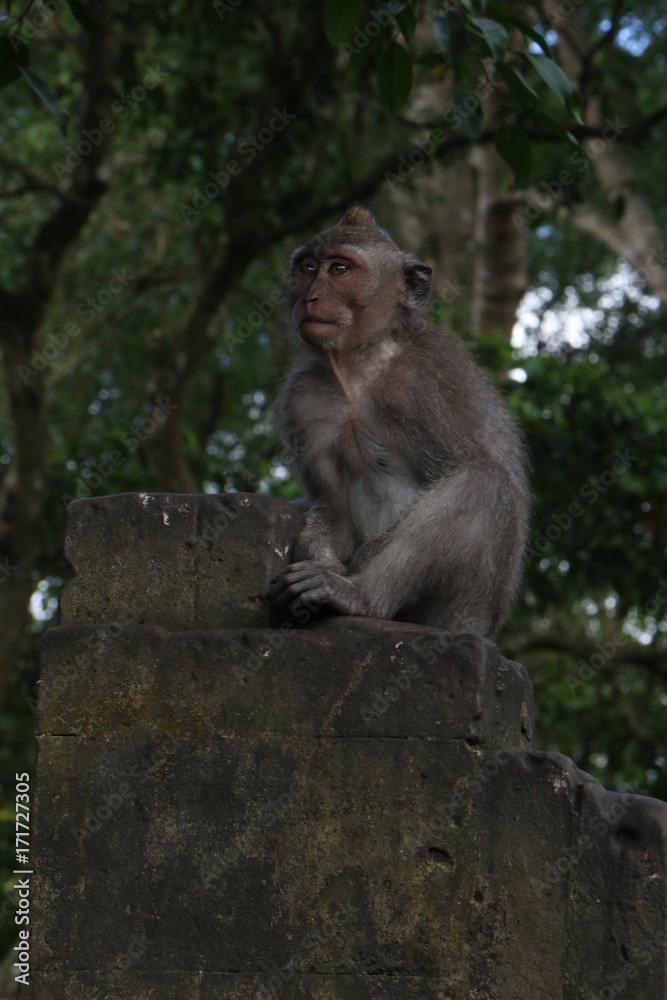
pixel 416 284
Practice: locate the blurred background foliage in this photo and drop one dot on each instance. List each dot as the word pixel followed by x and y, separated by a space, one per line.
pixel 518 147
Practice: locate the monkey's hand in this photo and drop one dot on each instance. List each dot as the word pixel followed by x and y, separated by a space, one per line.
pixel 309 585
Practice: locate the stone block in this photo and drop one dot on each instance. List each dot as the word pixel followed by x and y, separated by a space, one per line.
pixel 223 800
pixel 177 560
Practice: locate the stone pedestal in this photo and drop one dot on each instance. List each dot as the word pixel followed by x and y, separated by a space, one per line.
pixel 226 810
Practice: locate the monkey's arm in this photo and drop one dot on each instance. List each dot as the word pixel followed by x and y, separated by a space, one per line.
pixel 452 560
pixel 325 538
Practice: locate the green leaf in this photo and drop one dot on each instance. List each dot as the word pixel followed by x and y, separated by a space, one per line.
pixel 521 91
pixel 449 33
pixel 83 16
pixel 430 59
pixel 407 22
pixel 355 65
pixel 553 76
pixel 9 71
pixel 340 19
pixel 513 145
pixel 492 33
pixel 506 13
pixel 574 105
pixel 556 128
pixel 529 32
pixel 46 95
pixel 470 122
pixel 394 76
pixel 13 55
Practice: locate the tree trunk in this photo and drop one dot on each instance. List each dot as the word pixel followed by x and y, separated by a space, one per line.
pixel 500 269
pixel 635 236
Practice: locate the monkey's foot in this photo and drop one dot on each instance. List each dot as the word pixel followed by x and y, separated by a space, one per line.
pixel 310 584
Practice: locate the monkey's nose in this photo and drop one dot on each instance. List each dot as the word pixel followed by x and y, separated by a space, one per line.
pixel 315 289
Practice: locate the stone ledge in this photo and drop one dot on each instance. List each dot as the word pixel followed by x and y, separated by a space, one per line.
pixel 195 985
pixel 377 679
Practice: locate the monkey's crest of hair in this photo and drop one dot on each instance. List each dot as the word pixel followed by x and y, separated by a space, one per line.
pixel 358 226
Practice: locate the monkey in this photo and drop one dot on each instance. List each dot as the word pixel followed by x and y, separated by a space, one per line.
pixel 415 474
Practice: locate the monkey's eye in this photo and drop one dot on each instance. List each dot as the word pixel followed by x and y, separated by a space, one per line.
pixel 338 268
pixel 306 267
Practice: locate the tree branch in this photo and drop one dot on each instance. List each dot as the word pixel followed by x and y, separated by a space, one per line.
pixel 653 659
pixel 162 275
pixel 646 740
pixel 270 24
pixel 34 182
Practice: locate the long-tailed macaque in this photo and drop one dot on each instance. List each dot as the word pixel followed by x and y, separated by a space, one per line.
pixel 414 472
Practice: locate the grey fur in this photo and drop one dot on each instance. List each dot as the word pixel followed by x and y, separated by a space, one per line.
pixel 412 465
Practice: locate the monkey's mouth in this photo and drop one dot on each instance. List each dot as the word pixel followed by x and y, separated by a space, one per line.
pixel 316 319
pixel 309 327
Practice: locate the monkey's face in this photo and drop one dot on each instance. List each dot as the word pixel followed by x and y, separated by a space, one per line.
pixel 350 286
pixel 339 298
pixel 346 297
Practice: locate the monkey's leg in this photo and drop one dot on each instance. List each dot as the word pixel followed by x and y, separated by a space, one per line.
pixel 327 537
pixel 453 559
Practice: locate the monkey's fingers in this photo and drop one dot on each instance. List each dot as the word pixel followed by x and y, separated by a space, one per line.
pixel 276 588
pixel 303 570
pixel 302 583
pixel 284 578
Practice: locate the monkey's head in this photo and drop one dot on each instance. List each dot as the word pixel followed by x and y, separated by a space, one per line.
pixel 351 286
